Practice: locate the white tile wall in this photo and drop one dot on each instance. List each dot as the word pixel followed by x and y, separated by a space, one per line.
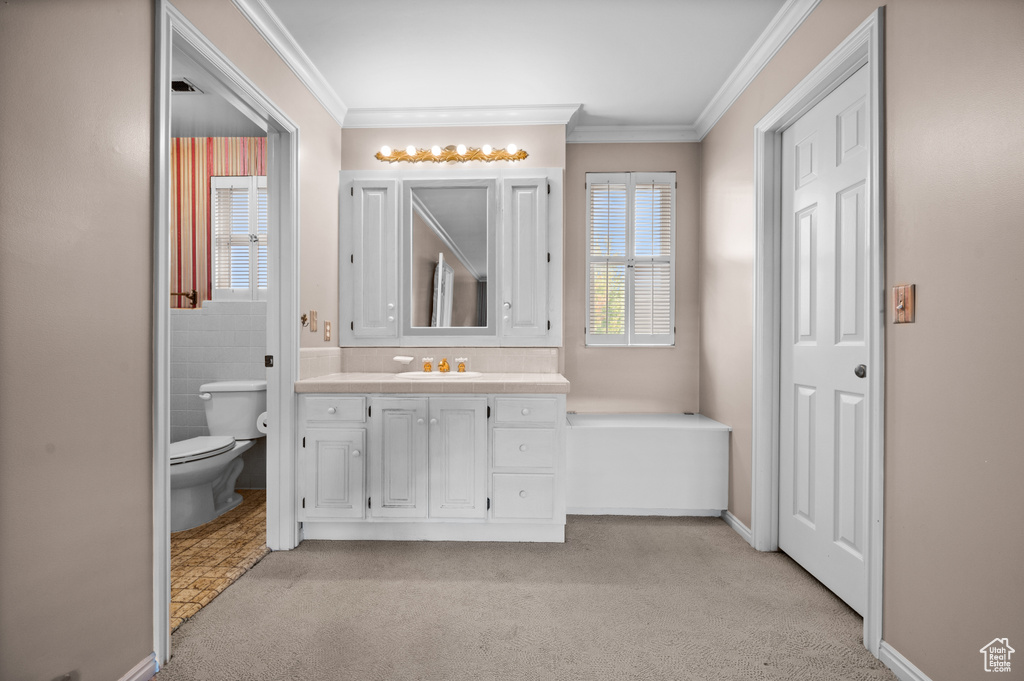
pixel 221 341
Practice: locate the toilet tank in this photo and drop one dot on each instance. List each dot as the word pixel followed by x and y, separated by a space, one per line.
pixel 232 407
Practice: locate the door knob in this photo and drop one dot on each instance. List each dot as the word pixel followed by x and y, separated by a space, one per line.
pixel 433 422
pixel 355 452
pixel 861 371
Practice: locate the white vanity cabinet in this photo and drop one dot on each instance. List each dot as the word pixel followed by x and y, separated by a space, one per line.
pixel 444 467
pixel 526 450
pixel 428 457
pixel 458 457
pixel 332 457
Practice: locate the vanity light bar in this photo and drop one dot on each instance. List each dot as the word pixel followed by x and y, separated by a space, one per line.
pixel 451 153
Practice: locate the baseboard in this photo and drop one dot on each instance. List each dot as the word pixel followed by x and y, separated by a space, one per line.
pixel 675 512
pixel 741 529
pixel 143 671
pixel 903 668
pixel 427 531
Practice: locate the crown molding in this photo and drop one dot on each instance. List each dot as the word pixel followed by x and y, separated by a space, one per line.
pixel 274 32
pixel 612 134
pixel 782 26
pixel 441 117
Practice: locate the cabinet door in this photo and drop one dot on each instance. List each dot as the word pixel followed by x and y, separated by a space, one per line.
pixel 333 472
pixel 373 259
pixel 398 434
pixel 458 457
pixel 524 270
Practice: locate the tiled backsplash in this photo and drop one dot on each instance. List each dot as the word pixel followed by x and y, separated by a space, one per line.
pixel 315 362
pixel 322 361
pixel 222 341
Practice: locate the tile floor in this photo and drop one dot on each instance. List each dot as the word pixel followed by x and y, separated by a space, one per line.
pixel 208 559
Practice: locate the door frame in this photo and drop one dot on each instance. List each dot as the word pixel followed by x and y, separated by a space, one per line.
pixel 862 47
pixel 172 29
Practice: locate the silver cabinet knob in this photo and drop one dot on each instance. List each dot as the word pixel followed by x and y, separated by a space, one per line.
pixel 355 452
pixel 419 420
pixel 391 306
pixel 391 318
pixel 433 422
pixel 332 410
pixel 522 494
pixel 526 412
pixel 507 306
pixel 523 448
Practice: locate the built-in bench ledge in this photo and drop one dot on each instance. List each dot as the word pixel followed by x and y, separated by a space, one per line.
pixel 646 464
pixel 375 382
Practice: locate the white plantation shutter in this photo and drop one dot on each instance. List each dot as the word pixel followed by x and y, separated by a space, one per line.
pixel 630 259
pixel 608 218
pixel 238 213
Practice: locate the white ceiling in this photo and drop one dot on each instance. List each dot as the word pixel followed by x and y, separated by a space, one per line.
pixel 643 63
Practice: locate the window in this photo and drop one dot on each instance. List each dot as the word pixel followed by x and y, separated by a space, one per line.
pixel 631 259
pixel 238 213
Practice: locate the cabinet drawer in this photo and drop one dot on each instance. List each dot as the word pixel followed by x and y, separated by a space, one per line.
pixel 335 409
pixel 524 447
pixel 523 496
pixel 525 410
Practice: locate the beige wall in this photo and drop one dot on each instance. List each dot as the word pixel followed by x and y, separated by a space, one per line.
pixel 76 547
pixel 657 380
pixel 954 379
pixel 319 152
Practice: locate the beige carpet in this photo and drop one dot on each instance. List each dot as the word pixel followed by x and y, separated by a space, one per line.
pixel 623 598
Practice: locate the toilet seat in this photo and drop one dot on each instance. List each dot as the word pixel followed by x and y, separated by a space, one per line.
pixel 199 448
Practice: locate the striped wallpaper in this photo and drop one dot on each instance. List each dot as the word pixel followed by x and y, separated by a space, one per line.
pixel 194 160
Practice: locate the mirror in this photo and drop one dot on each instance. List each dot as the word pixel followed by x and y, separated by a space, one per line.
pixel 450 257
pixel 449 231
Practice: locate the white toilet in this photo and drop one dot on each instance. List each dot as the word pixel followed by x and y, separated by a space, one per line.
pixel 204 469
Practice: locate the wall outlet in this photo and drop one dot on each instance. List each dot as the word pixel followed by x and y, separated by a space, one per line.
pixel 312 321
pixel 327 331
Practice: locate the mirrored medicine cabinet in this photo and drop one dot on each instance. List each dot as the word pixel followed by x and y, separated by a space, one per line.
pixel 446 257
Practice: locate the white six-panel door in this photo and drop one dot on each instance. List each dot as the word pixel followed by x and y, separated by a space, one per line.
pixel 823 432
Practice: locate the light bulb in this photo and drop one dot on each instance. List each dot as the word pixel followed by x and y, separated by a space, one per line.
pixel 512 149
pixel 461 150
pixel 385 150
pixel 486 149
pixel 435 150
pixel 410 150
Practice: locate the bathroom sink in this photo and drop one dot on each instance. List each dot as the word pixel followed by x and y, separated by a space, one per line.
pixel 438 375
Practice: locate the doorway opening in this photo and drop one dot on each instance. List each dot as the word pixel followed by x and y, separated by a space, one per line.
pixel 180 47
pixel 862 48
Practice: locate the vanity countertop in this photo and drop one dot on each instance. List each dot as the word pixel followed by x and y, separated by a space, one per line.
pixel 362 382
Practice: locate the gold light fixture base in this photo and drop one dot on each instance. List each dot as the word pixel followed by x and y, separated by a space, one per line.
pixel 450 154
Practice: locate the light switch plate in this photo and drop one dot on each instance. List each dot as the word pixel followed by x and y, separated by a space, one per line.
pixel 327 331
pixel 903 304
pixel 312 321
